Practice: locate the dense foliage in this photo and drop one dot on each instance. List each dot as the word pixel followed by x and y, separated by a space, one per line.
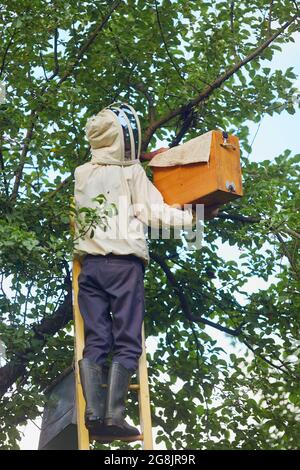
pixel 187 67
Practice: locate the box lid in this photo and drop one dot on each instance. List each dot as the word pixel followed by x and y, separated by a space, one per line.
pixel 193 151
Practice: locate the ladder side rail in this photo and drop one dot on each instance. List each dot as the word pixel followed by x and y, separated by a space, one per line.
pixel 144 399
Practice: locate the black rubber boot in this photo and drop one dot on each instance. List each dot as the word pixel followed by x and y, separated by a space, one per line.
pixel 101 433
pixel 94 395
pixel 118 383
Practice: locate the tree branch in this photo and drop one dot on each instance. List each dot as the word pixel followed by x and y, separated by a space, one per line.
pixel 239 217
pixel 270 16
pixel 295 4
pixel 184 303
pixel 232 17
pixel 139 86
pixel 2 168
pixel 19 171
pixel 48 327
pixel 287 253
pixel 151 108
pixel 215 85
pixel 34 113
pixel 287 230
pixel 6 52
pixel 43 66
pixel 253 220
pixel 89 42
pixel 166 45
pixel 263 358
pixel 290 232
pixel 236 56
pixel 55 56
pixel 187 121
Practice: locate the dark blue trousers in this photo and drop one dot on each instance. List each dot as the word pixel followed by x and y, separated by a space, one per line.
pixel 111 301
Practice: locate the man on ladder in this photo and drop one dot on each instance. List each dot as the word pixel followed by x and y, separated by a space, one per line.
pixel 113 259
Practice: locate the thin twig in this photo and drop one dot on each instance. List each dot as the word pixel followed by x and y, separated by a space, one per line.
pixel 263 358
pixel 6 52
pixel 287 253
pixel 2 167
pixel 270 16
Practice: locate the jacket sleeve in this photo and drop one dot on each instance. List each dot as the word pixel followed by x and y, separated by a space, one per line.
pixel 149 206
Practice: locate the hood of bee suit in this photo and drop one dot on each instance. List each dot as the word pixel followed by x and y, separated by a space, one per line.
pixel 114 135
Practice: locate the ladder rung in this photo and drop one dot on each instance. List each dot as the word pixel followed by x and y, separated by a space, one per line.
pixel 134 387
pixel 131 387
pixel 108 439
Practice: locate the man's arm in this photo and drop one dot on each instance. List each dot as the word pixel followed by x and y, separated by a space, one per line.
pixel 149 206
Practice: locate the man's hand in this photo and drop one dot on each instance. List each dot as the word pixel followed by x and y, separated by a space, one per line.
pixel 150 155
pixel 210 212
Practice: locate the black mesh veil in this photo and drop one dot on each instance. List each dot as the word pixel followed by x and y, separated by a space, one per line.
pixel 130 124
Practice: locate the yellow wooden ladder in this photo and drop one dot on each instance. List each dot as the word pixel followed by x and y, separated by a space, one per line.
pixel 142 387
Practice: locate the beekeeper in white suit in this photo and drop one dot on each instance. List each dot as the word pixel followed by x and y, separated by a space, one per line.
pixel 111 284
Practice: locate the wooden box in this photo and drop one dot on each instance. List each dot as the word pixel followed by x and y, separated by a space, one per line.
pixel 59 424
pixel 211 183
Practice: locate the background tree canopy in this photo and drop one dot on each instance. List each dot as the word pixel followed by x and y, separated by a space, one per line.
pixel 187 67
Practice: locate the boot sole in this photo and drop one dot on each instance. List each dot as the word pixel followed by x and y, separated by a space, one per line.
pixel 107 434
pixel 114 429
pixel 108 438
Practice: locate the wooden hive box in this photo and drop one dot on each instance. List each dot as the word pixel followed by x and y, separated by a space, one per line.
pixel 59 423
pixel 214 182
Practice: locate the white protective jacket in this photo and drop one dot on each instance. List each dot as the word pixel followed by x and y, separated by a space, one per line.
pixel 138 201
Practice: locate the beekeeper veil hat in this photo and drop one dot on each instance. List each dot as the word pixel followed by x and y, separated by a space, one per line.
pixel 115 135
